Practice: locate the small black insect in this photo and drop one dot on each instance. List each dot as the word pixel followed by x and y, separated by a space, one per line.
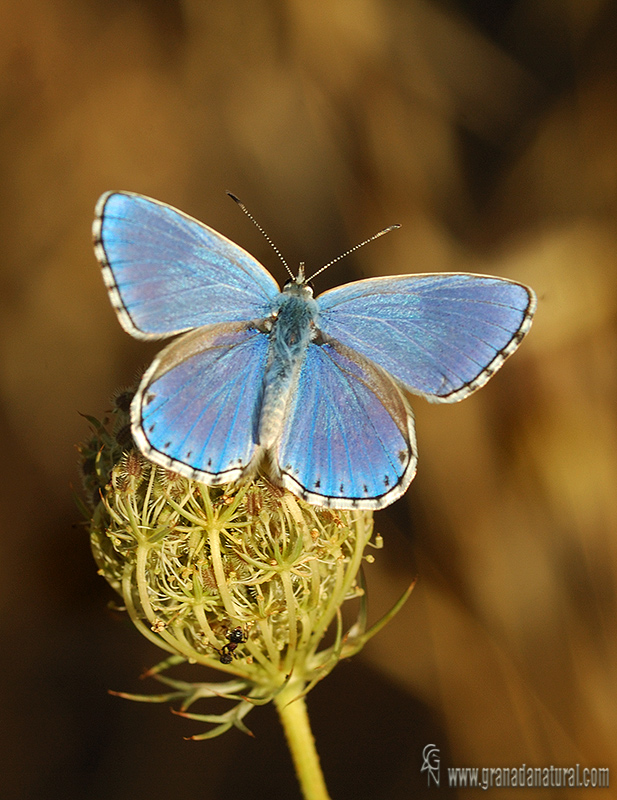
pixel 234 638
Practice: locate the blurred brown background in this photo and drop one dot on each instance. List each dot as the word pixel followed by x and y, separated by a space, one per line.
pixel 489 131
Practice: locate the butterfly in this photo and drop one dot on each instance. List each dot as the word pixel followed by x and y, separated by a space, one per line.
pixel 314 390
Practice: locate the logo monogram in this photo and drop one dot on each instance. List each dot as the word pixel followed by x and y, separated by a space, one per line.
pixel 430 763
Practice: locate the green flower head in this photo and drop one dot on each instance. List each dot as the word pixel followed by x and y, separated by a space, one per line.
pixel 247 578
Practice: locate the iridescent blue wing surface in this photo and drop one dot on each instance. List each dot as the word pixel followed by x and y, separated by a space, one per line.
pixel 348 439
pixel 197 407
pixel 167 273
pixel 442 335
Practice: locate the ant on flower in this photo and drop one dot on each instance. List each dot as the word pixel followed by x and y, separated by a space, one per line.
pixel 234 638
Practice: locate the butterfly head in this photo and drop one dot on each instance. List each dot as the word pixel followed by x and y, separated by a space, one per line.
pixel 299 285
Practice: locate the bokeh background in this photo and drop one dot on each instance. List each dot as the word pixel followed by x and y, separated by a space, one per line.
pixel 489 131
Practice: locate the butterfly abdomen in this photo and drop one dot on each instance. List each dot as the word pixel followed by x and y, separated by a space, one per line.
pixel 291 334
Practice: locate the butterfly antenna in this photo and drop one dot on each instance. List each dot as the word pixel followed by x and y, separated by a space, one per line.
pixel 353 249
pixel 259 228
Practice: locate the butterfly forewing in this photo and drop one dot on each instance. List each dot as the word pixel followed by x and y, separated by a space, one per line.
pixel 349 439
pixel 196 409
pixel 441 335
pixel 167 273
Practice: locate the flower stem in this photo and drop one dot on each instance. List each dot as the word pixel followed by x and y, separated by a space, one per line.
pixel 294 719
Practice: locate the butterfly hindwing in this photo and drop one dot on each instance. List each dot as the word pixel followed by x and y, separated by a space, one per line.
pixel 348 440
pixel 196 409
pixel 442 335
pixel 167 273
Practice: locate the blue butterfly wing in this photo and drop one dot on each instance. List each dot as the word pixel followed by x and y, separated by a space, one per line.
pixel 442 335
pixel 197 407
pixel 348 439
pixel 167 273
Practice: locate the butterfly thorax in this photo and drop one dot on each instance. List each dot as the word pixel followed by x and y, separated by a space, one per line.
pixel 292 329
pixel 294 317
